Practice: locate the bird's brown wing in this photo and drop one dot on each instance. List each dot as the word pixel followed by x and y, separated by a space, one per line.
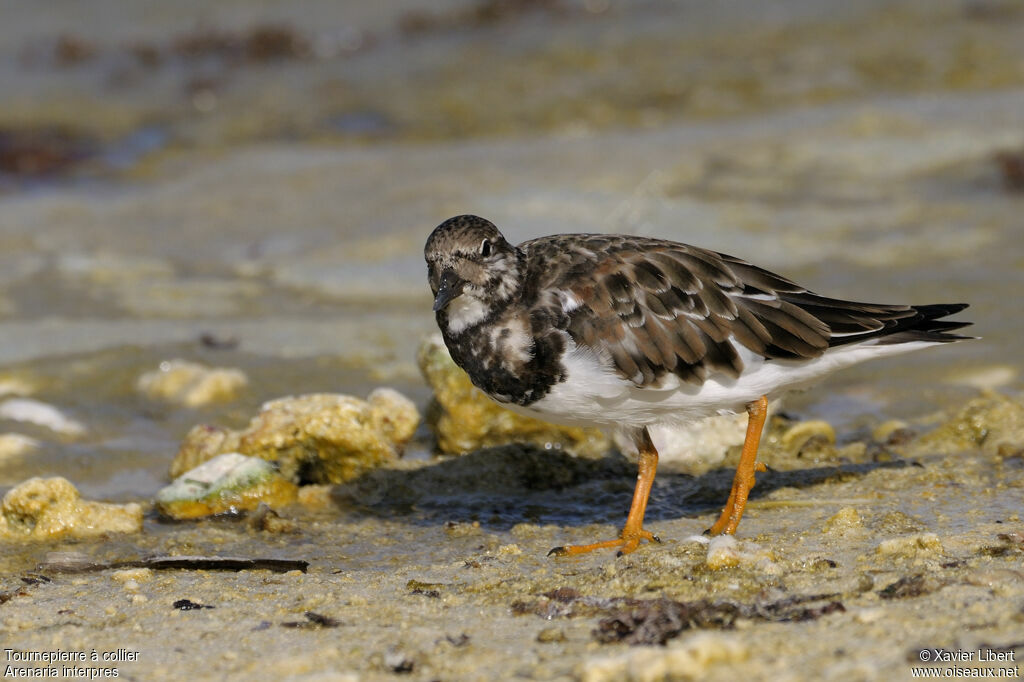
pixel 653 307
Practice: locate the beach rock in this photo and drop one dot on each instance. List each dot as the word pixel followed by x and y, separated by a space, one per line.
pixel 317 438
pixel 990 422
pixel 136 575
pixel 892 432
pixel 191 384
pixel 463 419
pixel 15 444
pixel 809 434
pixel 725 551
pixel 51 509
pixel 227 483
pixel 315 496
pixel 845 520
pixel 39 413
pixel 691 658
pixel 696 447
pixel 14 385
pixel 910 545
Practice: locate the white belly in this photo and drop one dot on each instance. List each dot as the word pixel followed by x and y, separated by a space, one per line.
pixel 594 395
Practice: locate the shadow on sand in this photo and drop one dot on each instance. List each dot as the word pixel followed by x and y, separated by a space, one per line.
pixel 502 486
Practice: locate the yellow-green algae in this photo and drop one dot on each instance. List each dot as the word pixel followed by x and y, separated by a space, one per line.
pixel 227 483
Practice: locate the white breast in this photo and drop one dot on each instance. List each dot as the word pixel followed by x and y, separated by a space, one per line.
pixel 511 342
pixel 465 311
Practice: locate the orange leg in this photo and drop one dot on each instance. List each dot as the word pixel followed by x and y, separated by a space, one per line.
pixel 744 479
pixel 633 532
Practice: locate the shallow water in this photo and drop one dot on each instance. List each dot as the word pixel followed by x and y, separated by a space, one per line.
pixel 283 203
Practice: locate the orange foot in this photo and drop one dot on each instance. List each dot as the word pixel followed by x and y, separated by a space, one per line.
pixel 627 542
pixel 737 502
pixel 633 532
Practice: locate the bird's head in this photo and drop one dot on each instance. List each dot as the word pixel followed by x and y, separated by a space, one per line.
pixel 473 271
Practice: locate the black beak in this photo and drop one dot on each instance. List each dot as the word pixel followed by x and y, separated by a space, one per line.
pixel 449 288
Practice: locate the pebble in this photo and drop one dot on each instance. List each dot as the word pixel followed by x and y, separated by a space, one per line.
pixel 887 429
pixel 723 552
pixel 909 545
pixel 136 575
pixel 16 386
pixel 844 520
pixel 799 435
pixel 691 658
pixel 42 414
pixel 15 444
pixel 993 577
pixel 191 384
pixel 985 378
pixel 551 634
pixel 329 676
pixel 315 496
pixel 868 616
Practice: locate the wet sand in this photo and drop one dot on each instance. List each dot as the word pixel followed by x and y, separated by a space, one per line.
pixel 250 188
pixel 437 570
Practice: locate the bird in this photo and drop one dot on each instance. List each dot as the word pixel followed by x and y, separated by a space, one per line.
pixel 627 332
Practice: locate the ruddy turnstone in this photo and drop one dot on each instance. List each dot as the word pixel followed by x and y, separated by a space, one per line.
pixel 626 332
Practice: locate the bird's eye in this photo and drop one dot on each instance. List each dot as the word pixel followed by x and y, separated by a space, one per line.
pixel 485 248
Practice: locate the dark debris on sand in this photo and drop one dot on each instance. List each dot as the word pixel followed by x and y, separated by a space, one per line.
pixel 910 586
pixel 32 153
pixel 655 621
pixel 313 621
pixel 1011 167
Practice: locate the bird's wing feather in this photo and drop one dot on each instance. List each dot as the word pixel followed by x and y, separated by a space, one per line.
pixel 652 307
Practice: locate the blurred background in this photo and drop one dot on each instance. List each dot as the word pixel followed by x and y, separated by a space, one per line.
pixel 249 184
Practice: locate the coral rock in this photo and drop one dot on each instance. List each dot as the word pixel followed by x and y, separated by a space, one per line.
pixel 692 659
pixel 15 444
pixel 911 545
pixel 988 422
pixel 318 438
pixel 843 521
pixel 191 384
pixel 51 509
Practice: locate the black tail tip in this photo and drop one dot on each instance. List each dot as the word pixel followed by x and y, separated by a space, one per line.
pixel 929 325
pixel 937 310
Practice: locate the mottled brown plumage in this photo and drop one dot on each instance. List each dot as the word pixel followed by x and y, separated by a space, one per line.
pixel 628 332
pixel 655 307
